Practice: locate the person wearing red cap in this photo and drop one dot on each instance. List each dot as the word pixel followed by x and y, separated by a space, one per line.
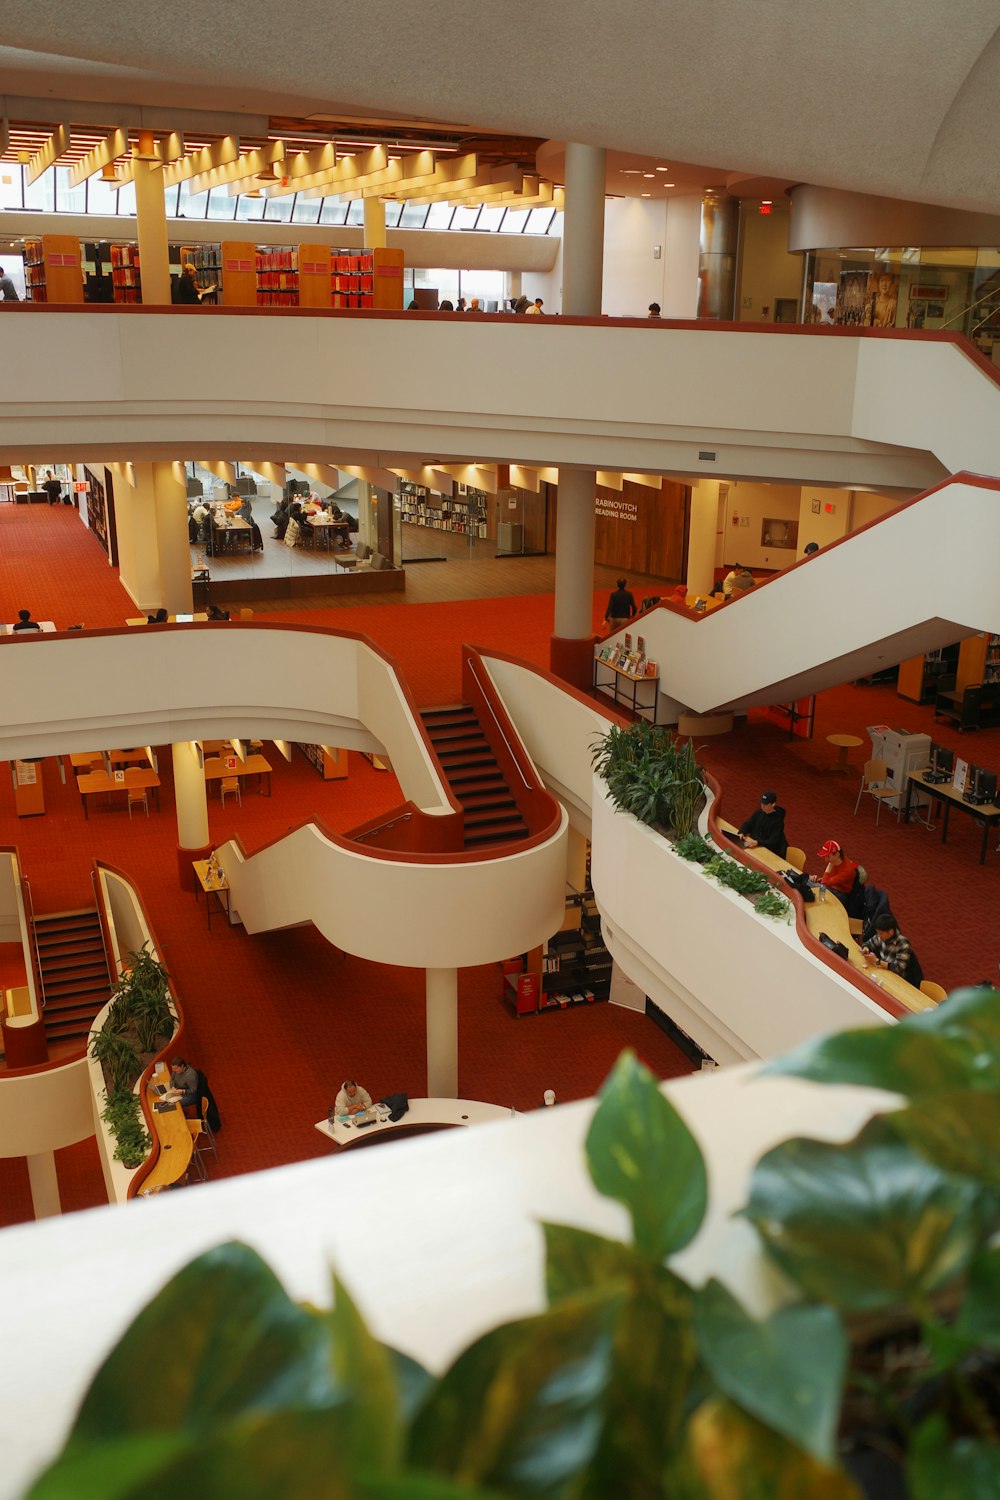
pixel 841 873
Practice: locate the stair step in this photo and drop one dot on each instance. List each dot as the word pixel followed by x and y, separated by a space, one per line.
pixel 60 916
pixel 494 820
pixel 61 958
pixel 463 744
pixel 96 992
pixel 468 763
pixel 77 1010
pixel 49 936
pixel 444 709
pixel 501 837
pixel 66 1032
pixel 492 802
pixel 464 776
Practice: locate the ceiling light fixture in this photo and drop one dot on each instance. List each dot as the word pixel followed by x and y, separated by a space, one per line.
pixel 663 169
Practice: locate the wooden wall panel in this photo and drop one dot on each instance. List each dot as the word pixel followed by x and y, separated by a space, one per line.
pixel 646 531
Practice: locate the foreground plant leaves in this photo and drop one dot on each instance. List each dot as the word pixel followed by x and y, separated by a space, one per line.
pixel 730 1456
pixel 963 1470
pixel 366 1369
pixel 787 1370
pixel 521 1409
pixel 961 1133
pixel 866 1225
pixel 951 1047
pixel 655 1376
pixel 641 1153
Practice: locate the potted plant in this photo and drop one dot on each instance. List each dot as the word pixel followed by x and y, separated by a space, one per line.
pixel 651 774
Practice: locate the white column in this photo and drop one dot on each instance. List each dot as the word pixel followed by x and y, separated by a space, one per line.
pixel 374 223
pixel 574 583
pixel 151 232
pixel 442 1033
pixel 44 1185
pixel 576 859
pixel 190 796
pixel 583 231
pixel 702 528
pixel 135 517
pixel 172 545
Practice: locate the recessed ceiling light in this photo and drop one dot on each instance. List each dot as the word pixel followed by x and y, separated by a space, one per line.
pixel 647 174
pixel 663 169
pixel 631 171
pixel 667 184
pixel 646 195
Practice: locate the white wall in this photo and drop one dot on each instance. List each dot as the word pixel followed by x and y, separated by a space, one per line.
pixel 632 277
pixel 748 505
pixel 681 252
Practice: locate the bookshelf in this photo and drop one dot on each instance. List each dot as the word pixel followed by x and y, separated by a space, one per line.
pixel 352 279
pixel 575 964
pixel 465 513
pixel 330 763
pixel 314 275
pixel 239 276
pixel 978 660
pixel 277 274
pixel 126 277
pixel 52 269
pixel 100 513
pixel 920 677
pixel 207 261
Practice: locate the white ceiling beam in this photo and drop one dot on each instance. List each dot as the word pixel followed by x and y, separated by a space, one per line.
pixel 56 146
pixel 250 165
pixel 650 481
pixel 103 154
pixel 216 155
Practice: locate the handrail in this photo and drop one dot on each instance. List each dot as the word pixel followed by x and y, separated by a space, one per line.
pixel 29 912
pixel 511 749
pixel 985 298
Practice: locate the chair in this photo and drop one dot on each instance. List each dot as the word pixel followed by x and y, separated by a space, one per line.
pixel 246 614
pixel 230 784
pixel 137 796
pixel 796 857
pixel 935 992
pixel 875 782
pixel 202 1139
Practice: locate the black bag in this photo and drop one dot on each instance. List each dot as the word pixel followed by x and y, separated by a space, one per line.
pixel 397 1104
pixel 828 942
pixel 799 881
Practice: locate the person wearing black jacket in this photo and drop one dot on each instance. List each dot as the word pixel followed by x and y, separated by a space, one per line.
pixel 766 827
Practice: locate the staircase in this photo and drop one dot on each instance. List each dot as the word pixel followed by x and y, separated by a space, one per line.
pixel 472 773
pixel 74 970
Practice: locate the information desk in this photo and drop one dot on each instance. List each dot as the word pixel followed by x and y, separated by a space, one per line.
pixel 254 765
pixel 618 683
pixel 945 795
pixel 213 883
pixel 175 1138
pixel 423 1115
pixel 92 783
pixel 827 914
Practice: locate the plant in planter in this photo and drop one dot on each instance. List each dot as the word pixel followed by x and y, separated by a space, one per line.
pixel 651 774
pixel 139 1019
pixel 116 1052
pixel 143 999
pixel 122 1115
pixel 632 1383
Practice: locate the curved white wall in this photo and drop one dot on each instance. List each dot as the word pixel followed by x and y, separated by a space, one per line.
pixel 813 405
pixel 43 1111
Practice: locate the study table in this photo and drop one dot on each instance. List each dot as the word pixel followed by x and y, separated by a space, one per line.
pixel 231 535
pixel 827 914
pixel 326 527
pixel 174 1136
pixel 216 767
pixel 942 792
pixel 135 778
pixel 423 1116
pixel 45 627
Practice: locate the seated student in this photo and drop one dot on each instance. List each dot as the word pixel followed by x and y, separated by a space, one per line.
pixel 215 613
pixel 25 622
pixel 765 827
pixel 352 1099
pixel 183 1082
pixel 840 876
pixel 891 950
pixel 743 582
pixel 159 618
pixel 730 579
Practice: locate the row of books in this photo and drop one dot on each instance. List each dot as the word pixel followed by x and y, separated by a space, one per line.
pixel 358 283
pixel 353 299
pixel 352 263
pixel 277 260
pixel 632 663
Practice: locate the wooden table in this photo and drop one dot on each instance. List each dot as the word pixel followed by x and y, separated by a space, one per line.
pixel 945 795
pixel 231 535
pixel 93 782
pixel 46 627
pixel 325 526
pixel 254 765
pixel 422 1115
pixel 213 885
pixel 175 1138
pixel 616 683
pixel 845 743
pixel 138 756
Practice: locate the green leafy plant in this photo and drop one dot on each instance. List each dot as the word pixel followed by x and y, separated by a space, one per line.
pixel 142 999
pixel 651 774
pixel 693 847
pixel 116 1052
pixel 632 1383
pixel 772 903
pixel 123 1116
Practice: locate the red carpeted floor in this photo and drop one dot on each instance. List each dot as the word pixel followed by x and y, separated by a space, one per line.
pixel 277 1021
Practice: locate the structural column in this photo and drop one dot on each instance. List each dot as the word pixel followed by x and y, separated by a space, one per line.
pixel 172 545
pixel 135 519
pixel 583 231
pixel 192 810
pixel 44 1185
pixel 442 1033
pixel 571 654
pixel 702 529
pixel 720 230
pixel 374 223
pixel 151 226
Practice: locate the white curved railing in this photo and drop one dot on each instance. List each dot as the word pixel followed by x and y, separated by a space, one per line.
pixel 816 405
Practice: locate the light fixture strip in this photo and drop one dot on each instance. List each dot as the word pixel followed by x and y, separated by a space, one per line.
pixel 225 150
pixel 102 155
pixel 56 146
pixel 250 164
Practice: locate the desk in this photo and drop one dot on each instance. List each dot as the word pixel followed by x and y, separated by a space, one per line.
pixel 945 795
pixel 231 535
pixel 324 526
pixel 254 765
pixel 845 743
pixel 217 886
pixel 139 756
pixel 830 916
pixel 90 783
pixel 46 627
pixel 423 1115
pixel 174 1136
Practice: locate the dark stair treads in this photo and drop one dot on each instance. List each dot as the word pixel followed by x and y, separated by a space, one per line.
pixel 470 768
pixel 73 965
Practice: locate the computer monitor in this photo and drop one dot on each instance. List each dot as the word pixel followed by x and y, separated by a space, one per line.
pixel 942 760
pixel 982 784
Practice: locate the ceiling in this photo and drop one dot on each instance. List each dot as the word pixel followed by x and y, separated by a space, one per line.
pixel 895 99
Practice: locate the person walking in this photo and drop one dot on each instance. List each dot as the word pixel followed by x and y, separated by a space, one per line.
pixel 621 606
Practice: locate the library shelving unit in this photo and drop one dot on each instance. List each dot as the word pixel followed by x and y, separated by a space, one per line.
pixel 465 513
pixel 978 660
pixel 331 763
pixel 126 277
pixel 207 261
pixel 371 278
pixel 52 269
pixel 277 277
pixel 239 276
pixel 314 275
pixel 921 676
pixel 575 964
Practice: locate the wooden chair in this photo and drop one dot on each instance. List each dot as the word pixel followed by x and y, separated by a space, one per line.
pixel 246 614
pixel 933 991
pixel 230 784
pixel 138 796
pixel 202 1139
pixel 796 857
pixel 875 782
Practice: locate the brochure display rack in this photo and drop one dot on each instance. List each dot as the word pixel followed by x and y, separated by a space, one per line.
pixel 627 674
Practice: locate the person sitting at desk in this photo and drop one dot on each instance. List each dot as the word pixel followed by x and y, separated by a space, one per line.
pixel 352 1100
pixel 765 827
pixel 841 877
pixel 215 613
pixel 25 622
pixel 160 617
pixel 889 949
pixel 184 1086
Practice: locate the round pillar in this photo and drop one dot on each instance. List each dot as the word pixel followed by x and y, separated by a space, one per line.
pixel 720 230
pixel 442 1033
pixel 44 1185
pixel 571 653
pixel 702 527
pixel 374 209
pixel 172 544
pixel 192 810
pixel 151 231
pixel 583 231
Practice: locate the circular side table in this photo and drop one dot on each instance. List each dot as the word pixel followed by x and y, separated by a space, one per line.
pixel 845 743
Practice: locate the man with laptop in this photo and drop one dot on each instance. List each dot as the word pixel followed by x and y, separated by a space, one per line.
pixel 352 1100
